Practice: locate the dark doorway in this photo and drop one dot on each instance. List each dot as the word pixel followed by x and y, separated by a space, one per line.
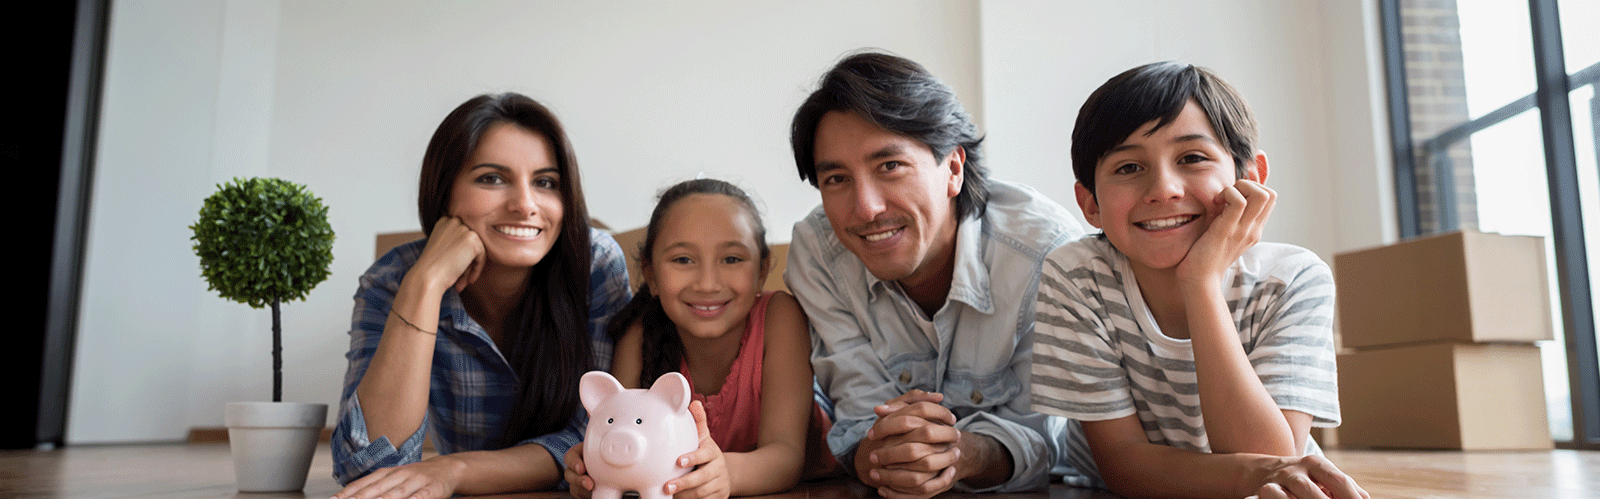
pixel 56 59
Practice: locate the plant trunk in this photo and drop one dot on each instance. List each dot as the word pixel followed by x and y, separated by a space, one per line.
pixel 277 354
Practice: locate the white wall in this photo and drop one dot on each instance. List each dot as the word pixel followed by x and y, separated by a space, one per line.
pixel 143 327
pixel 342 96
pixel 1301 64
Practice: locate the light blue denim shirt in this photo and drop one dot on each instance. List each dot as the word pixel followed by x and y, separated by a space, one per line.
pixel 871 343
pixel 471 386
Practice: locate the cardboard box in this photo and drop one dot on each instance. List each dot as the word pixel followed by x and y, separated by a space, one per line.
pixel 630 241
pixel 1444 396
pixel 1462 286
pixel 387 241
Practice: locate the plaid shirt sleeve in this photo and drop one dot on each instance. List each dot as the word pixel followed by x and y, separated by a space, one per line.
pixel 354 455
pixel 608 293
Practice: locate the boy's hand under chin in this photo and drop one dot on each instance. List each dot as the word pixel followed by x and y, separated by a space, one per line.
pixel 1244 208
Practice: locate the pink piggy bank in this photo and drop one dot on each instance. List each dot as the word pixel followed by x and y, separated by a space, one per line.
pixel 636 436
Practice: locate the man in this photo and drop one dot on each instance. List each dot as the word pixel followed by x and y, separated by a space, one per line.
pixel 919 275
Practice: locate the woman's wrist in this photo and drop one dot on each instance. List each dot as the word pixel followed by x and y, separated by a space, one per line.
pixel 420 283
pixel 412 325
pixel 415 305
pixel 457 467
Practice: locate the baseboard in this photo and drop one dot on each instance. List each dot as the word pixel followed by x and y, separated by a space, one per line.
pixel 218 434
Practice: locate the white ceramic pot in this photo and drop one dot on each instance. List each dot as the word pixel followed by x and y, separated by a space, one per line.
pixel 272 443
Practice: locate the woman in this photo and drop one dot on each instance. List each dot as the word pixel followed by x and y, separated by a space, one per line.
pixel 482 330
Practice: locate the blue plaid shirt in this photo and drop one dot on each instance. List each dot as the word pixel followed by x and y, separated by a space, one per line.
pixel 471 384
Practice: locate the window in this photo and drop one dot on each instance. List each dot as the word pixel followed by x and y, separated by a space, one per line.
pixel 1493 106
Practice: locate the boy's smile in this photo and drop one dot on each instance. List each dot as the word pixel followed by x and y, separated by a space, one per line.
pixel 1167 223
pixel 1157 191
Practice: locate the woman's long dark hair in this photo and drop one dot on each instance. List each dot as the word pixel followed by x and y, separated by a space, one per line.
pixel 550 345
pixel 662 349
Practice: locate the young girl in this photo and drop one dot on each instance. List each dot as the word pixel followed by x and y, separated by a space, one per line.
pixel 746 353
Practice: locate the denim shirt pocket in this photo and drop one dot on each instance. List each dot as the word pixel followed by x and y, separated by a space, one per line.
pixel 912 371
pixel 965 392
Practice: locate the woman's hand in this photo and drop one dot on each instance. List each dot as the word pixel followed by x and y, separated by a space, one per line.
pixel 454 254
pixel 710 480
pixel 1241 212
pixel 577 476
pixel 434 478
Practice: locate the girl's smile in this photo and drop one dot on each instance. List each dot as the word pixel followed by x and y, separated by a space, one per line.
pixel 706 266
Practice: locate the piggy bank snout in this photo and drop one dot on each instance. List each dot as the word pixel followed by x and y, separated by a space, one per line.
pixel 622 448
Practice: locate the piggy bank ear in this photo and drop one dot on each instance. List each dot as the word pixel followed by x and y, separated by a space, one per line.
pixel 673 388
pixel 595 387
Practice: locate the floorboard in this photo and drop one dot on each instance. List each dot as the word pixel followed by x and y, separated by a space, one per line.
pixel 204 470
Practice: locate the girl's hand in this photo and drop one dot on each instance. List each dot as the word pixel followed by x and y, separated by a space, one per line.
pixel 577 476
pixel 454 254
pixel 710 480
pixel 434 478
pixel 1241 211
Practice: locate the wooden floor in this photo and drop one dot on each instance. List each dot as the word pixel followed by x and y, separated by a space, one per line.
pixel 206 471
pixel 1437 474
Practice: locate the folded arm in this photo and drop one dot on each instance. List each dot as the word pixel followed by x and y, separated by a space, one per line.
pixel 1132 466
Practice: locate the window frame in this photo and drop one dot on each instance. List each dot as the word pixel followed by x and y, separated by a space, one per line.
pixel 1552 98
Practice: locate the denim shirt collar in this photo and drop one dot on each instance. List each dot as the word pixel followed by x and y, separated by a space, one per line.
pixel 969 282
pixel 454 311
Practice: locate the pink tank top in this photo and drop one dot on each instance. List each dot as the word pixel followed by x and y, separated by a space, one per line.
pixel 733 414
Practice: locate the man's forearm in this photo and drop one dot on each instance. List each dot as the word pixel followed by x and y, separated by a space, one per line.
pixel 984 462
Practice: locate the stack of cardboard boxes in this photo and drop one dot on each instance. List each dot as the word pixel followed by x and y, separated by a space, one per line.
pixel 1438 346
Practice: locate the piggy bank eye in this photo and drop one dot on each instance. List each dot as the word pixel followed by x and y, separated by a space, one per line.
pixel 610 420
pixel 638 421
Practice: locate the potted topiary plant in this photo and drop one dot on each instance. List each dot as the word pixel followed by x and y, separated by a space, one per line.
pixel 263 241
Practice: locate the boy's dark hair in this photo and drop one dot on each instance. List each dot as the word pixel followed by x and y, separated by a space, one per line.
pixel 662 349
pixel 899 95
pixel 548 331
pixel 1158 91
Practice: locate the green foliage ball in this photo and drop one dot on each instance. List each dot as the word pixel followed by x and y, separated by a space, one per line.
pixel 263 239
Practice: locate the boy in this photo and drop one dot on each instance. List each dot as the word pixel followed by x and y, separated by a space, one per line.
pixel 1194 359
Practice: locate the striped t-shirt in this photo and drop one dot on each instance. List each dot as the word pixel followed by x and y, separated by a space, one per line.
pixel 1098 354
